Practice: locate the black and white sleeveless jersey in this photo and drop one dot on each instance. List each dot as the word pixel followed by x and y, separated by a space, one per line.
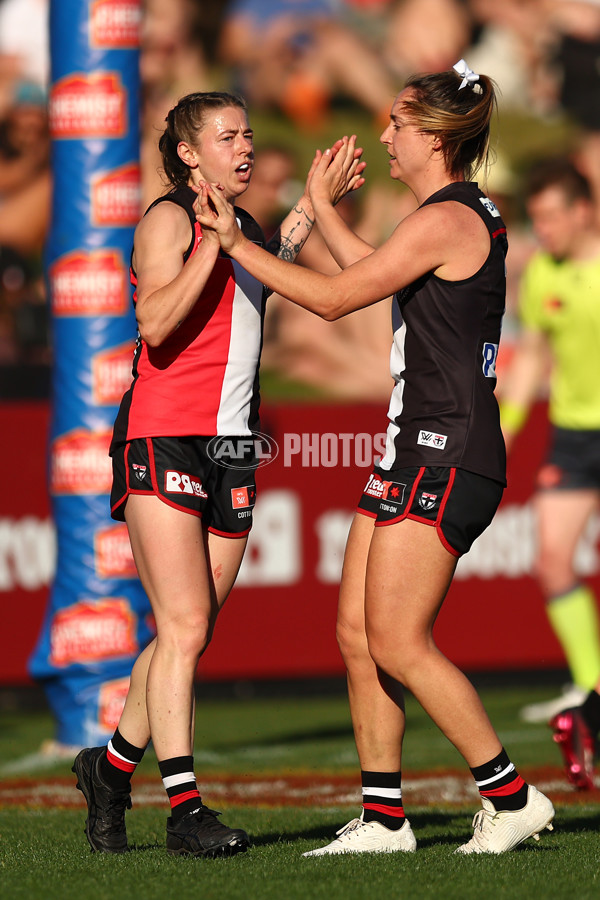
pixel 443 411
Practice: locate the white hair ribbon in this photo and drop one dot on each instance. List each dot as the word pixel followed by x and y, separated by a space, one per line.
pixel 468 76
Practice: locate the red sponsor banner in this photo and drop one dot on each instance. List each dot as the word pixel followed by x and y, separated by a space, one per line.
pixel 111 700
pixel 116 197
pixel 290 575
pixel 80 464
pixel 112 553
pixel 89 284
pixel 115 24
pixel 111 374
pixel 92 631
pixel 88 106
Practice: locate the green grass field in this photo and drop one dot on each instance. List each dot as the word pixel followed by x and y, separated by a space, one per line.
pixel 44 853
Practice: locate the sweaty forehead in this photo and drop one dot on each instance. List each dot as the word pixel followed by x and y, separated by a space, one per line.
pixel 229 118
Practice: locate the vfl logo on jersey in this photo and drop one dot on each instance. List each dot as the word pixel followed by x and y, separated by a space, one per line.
pixel 490 355
pixel 491 207
pixel 427 501
pixel 242 497
pixel 140 471
pixel 430 439
pixel 179 483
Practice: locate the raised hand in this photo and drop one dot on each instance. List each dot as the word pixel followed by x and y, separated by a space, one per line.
pixel 336 172
pixel 217 215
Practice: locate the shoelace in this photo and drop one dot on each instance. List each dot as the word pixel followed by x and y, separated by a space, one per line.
pixel 116 806
pixel 350 826
pixel 480 819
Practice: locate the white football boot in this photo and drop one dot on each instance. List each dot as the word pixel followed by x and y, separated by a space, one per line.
pixel 369 837
pixel 497 832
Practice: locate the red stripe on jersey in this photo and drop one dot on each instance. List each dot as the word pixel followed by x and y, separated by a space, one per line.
pixel 500 231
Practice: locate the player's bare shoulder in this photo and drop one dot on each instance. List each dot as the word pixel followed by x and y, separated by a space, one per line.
pixel 165 225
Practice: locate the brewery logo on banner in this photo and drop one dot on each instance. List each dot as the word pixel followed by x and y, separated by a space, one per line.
pixel 111 374
pixel 89 284
pixel 111 700
pixel 89 631
pixel 112 553
pixel 115 24
pixel 87 106
pixel 116 197
pixel 80 464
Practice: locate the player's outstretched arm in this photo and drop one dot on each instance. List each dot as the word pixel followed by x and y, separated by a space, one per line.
pixel 297 225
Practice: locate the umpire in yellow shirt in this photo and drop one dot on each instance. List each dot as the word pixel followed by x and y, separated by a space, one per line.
pixel 560 317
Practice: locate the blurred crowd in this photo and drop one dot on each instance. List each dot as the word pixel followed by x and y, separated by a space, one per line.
pixel 297 60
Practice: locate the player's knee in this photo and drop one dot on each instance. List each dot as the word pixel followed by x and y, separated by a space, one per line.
pixel 351 641
pixel 190 637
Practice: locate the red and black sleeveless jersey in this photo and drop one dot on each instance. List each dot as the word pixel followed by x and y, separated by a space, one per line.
pixel 203 379
pixel 443 411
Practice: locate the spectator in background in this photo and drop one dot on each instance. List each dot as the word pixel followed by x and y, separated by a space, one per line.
pixel 426 35
pixel 560 314
pixel 25 177
pixel 172 64
pixel 576 55
pixel 296 55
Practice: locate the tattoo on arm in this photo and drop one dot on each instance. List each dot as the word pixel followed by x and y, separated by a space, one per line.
pixel 288 245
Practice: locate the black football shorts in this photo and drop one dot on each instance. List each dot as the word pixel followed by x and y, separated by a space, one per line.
pixel 182 473
pixel 459 504
pixel 573 462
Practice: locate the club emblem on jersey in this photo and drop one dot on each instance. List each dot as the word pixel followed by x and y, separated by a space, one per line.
pixel 427 501
pixel 140 471
pixel 431 439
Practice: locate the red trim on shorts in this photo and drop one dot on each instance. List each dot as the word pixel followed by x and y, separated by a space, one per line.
pixel 156 492
pixel 438 523
pixel 367 512
pixel 228 534
pixel 411 497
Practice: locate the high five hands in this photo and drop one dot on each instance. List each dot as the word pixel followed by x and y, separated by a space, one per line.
pixel 333 173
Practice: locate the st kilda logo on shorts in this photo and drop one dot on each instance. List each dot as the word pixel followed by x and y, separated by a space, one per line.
pixel 140 471
pixel 427 501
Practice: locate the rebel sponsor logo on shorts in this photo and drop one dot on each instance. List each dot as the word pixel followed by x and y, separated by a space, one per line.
pixel 112 553
pixel 431 439
pixel 80 464
pixel 88 106
pixel 89 284
pixel 243 497
pixel 181 483
pixel 427 501
pixel 111 700
pixel 111 374
pixel 116 197
pixel 115 23
pixel 384 490
pixel 93 630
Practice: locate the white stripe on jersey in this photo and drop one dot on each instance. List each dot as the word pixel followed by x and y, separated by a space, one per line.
pixel 397 367
pixel 243 355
